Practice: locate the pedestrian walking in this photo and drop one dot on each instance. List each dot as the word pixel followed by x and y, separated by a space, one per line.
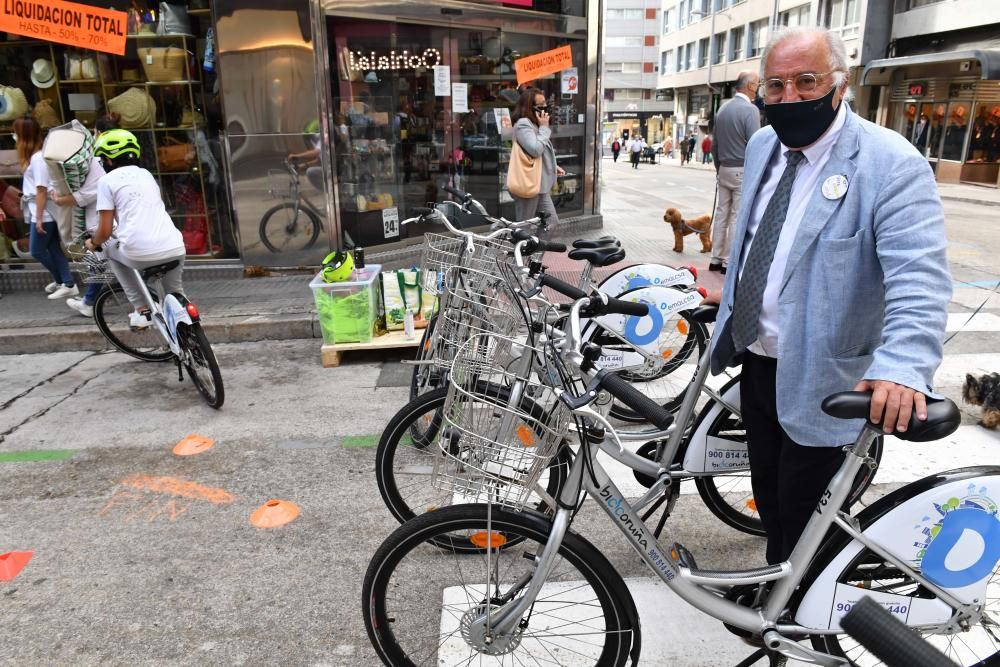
pixel 692 142
pixel 616 148
pixel 826 294
pixel 636 151
pixel 533 134
pixel 706 149
pixel 668 148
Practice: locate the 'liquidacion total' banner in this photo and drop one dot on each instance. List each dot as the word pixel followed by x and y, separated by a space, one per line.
pixel 66 23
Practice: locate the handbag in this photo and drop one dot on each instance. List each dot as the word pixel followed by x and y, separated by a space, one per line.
pixel 524 173
pixel 173 20
pixel 10 165
pixel 46 116
pixel 175 155
pixel 403 290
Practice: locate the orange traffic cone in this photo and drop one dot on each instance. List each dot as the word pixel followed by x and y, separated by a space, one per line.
pixel 193 444
pixel 274 513
pixel 12 563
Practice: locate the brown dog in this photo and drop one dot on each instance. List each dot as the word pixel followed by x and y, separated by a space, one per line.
pixel 702 226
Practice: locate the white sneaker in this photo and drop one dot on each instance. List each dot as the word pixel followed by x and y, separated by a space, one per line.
pixel 62 292
pixel 51 287
pixel 79 306
pixel 138 320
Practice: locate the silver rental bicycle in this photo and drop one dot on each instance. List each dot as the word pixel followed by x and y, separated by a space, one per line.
pixel 536 592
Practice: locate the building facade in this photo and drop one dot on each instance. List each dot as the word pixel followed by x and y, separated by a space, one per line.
pixel 939 85
pixel 631 66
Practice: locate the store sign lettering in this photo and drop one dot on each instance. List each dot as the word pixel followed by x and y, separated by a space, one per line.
pixel 393 61
pixel 66 23
pixel 543 64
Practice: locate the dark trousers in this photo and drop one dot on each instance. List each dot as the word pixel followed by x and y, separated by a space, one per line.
pixel 635 159
pixel 787 478
pixel 615 154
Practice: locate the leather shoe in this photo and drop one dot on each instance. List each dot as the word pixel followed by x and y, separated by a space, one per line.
pixel 723 270
pixel 716 267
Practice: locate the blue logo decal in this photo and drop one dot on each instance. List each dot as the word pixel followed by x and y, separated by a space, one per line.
pixel 632 334
pixel 955 523
pixel 637 280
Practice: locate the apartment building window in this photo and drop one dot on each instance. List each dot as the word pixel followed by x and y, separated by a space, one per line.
pixel 703 52
pixel 667 62
pixel 623 68
pixel 682 14
pixel 842 16
pixel 679 62
pixel 624 41
pixel 719 48
pixel 758 38
pixel 795 16
pixel 690 53
pixel 736 37
pixel 703 7
pixel 669 16
pixel 628 93
pixel 719 5
pixel 630 14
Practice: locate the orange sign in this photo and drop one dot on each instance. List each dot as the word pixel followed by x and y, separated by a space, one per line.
pixel 542 64
pixel 66 23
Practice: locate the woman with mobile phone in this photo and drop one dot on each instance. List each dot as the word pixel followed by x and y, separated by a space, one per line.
pixel 533 135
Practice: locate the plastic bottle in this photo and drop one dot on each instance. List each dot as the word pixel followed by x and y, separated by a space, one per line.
pixel 408 329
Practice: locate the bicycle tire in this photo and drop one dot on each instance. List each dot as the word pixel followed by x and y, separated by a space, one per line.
pixel 425 378
pixel 731 508
pixel 290 228
pixel 870 571
pixel 436 575
pixel 888 638
pixel 392 460
pixel 696 337
pixel 199 357
pixel 111 311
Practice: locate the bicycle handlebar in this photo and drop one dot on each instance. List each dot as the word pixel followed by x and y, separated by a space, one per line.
pixel 643 405
pixel 889 639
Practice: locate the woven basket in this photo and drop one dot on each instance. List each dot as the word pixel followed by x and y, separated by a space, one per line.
pixel 163 63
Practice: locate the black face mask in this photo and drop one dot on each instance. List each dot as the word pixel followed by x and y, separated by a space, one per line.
pixel 800 124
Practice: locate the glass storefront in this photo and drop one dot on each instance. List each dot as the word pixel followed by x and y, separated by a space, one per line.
pixel 165 87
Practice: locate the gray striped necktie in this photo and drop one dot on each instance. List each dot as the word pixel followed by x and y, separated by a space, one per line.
pixel 750 288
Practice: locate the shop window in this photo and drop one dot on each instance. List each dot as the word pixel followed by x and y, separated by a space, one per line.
pixel 179 140
pixel 400 140
pixel 956 130
pixel 984 139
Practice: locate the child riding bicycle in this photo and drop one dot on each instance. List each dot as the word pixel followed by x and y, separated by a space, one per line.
pixel 145 235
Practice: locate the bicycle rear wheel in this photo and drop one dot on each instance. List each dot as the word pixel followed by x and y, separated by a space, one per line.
pixel 289 226
pixel 111 313
pixel 420 604
pixel 201 365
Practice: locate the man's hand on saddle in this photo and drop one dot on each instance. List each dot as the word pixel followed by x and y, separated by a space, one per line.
pixel 893 404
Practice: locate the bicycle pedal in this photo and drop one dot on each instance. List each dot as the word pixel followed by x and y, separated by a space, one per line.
pixel 684 556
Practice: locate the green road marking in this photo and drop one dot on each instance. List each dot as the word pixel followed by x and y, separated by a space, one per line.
pixel 359 441
pixel 39 455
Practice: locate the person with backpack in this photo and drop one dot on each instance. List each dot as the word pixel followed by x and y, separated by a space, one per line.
pixel 616 148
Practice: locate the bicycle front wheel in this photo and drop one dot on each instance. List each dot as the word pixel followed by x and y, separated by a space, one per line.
pixel 425 378
pixel 111 313
pixel 420 604
pixel 289 226
pixel 201 365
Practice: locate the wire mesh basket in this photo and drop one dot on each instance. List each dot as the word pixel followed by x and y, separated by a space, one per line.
pixel 501 425
pixel 98 271
pixel 279 184
pixel 443 252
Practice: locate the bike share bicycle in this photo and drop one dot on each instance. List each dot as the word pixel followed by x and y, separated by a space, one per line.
pixel 540 593
pixel 175 332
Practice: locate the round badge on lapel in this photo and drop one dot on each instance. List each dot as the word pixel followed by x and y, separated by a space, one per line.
pixel 835 187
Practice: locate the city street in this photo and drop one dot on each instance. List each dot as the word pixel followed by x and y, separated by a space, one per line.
pixel 144 557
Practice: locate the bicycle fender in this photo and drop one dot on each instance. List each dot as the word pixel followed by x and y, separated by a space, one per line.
pixel 175 312
pixel 945 526
pixel 651 332
pixel 711 454
pixel 643 275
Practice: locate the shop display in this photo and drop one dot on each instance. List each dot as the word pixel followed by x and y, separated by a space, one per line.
pixel 402 292
pixel 46 116
pixel 173 20
pixel 43 74
pixel 135 108
pixel 13 103
pixel 163 63
pixel 175 155
pixel 348 310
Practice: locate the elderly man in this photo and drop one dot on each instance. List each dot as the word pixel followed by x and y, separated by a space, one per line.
pixel 735 123
pixel 839 280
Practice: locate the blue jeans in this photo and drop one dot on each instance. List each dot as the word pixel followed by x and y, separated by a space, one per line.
pixel 47 249
pixel 90 296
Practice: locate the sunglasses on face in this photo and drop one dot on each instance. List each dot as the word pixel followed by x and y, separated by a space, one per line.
pixel 540 109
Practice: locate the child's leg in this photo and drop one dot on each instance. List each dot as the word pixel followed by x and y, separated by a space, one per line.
pixel 127 278
pixel 90 296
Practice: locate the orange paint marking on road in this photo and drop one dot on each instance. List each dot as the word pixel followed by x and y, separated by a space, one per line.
pixel 193 444
pixel 181 488
pixel 274 513
pixel 11 563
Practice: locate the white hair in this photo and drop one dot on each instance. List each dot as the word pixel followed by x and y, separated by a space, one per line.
pixel 838 52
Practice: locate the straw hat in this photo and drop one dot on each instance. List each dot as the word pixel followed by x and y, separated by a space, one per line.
pixel 13 103
pixel 43 74
pixel 135 107
pixel 46 116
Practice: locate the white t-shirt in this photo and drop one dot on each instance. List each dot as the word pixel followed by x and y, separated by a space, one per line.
pixel 37 174
pixel 145 231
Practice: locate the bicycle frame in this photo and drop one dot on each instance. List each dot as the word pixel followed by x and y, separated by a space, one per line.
pixel 167 317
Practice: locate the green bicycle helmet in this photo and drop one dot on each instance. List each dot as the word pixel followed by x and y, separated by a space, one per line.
pixel 337 267
pixel 116 143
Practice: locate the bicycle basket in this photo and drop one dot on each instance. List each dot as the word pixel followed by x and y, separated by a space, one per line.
pixel 501 426
pixel 97 268
pixel 443 252
pixel 279 184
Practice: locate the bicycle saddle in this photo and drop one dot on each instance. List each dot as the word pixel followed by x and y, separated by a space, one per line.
pixel 596 243
pixel 943 416
pixel 159 269
pixel 704 314
pixel 604 256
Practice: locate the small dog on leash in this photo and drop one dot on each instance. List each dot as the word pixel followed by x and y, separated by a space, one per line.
pixel 702 226
pixel 984 391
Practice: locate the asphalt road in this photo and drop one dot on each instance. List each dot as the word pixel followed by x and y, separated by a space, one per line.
pixel 144 557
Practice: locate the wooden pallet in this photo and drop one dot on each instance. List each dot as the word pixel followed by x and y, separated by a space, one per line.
pixel 331 354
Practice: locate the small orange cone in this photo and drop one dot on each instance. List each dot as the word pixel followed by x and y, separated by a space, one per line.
pixel 193 444
pixel 12 563
pixel 274 513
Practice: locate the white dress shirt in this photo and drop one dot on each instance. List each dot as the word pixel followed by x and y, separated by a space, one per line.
pixel 806 180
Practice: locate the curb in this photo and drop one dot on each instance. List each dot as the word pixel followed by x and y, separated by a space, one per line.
pixel 970 200
pixel 86 337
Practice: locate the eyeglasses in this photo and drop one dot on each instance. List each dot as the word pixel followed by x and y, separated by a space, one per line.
pixel 805 83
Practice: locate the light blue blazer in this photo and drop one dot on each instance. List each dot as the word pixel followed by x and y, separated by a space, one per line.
pixel 866 288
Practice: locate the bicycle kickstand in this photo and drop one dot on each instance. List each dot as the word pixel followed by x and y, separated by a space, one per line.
pixel 775 659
